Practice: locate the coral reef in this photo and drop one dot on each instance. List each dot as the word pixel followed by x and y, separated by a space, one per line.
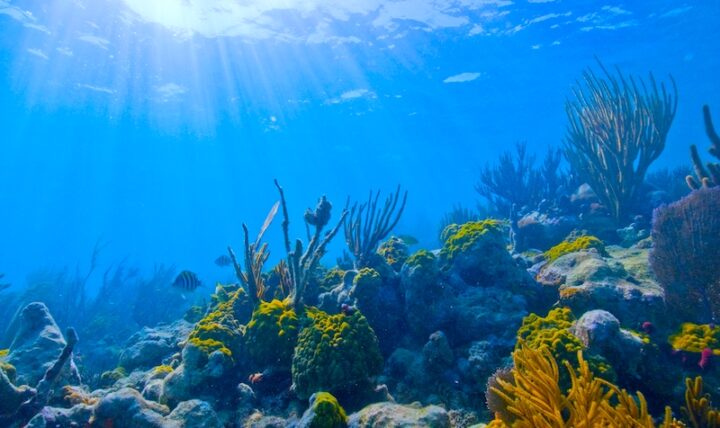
pixel 686 238
pixel 616 129
pixel 619 283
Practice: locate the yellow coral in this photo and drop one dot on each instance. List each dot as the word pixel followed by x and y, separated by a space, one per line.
pixel 535 399
pixel 699 411
pixel 209 346
pixel 571 246
pixel 164 369
pixel 696 337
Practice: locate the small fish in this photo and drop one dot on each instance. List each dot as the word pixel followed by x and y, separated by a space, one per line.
pixel 408 239
pixel 256 378
pixel 223 260
pixel 186 280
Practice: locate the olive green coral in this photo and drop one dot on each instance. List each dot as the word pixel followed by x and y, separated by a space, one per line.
pixel 573 245
pixel 461 238
pixel 272 333
pixel 696 337
pixel 324 412
pixel 221 330
pixel 394 251
pixel 335 353
pixel 422 259
pixel 553 332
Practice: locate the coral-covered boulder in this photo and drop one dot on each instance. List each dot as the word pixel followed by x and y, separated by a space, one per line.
pixel 600 333
pixel 271 334
pixel 127 408
pixel 36 345
pixel 394 415
pixel 193 414
pixel 479 313
pixel 477 252
pixel 617 283
pixel 150 346
pixel 324 412
pixel 379 300
pixel 203 374
pixel 335 353
pixel 424 291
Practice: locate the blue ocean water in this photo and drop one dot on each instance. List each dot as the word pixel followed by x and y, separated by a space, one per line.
pixel 157 127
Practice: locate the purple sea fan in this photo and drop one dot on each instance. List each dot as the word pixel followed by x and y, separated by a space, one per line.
pixel 686 255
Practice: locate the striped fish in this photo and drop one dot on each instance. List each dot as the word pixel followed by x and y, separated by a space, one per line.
pixel 187 281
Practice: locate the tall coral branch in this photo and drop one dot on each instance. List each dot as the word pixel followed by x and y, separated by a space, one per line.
pixel 302 262
pixel 255 257
pixel 617 128
pixel 707 175
pixel 368 224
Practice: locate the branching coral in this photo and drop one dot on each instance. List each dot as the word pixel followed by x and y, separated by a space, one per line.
pixel 512 182
pixel 686 247
pixel 617 128
pixel 301 262
pixel 368 224
pixel 534 398
pixel 255 257
pixel 710 176
pixel 698 408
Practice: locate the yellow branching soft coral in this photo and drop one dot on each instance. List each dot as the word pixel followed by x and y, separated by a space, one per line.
pixel 534 398
pixel 699 411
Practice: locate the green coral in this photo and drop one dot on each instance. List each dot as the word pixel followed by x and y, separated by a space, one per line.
pixel 553 332
pixel 325 412
pixel 573 245
pixel 110 377
pixel 221 330
pixel 272 333
pixel 394 251
pixel 461 238
pixel 163 369
pixel 335 353
pixel 367 279
pixel 331 279
pixel 696 337
pixel 422 259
